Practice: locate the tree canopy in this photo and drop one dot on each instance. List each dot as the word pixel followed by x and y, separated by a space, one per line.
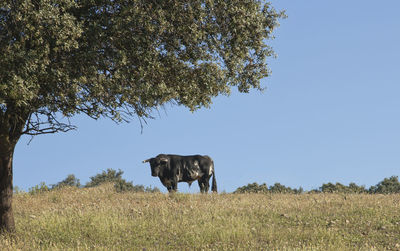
pixel 122 59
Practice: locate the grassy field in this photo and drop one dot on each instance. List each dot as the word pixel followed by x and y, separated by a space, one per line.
pixel 101 219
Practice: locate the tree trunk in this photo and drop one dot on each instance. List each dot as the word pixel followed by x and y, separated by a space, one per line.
pixel 6 185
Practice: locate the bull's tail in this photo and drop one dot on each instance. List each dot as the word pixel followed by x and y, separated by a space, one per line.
pixel 214 182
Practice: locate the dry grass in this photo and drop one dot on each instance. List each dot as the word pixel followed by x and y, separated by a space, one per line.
pixel 101 219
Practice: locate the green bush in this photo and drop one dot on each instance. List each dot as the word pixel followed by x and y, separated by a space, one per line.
pixel 71 181
pixel 109 176
pixel 263 188
pixel 252 188
pixel 340 188
pixel 124 186
pixel 120 184
pixel 386 186
pixel 42 187
pixel 354 188
pixel 17 190
pixel 278 188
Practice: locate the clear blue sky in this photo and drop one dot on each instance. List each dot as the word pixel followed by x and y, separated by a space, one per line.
pixel 330 113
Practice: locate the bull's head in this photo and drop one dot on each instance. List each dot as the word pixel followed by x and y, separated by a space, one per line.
pixel 157 164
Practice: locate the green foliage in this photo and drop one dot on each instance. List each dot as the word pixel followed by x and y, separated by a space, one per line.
pixel 38 189
pixel 71 180
pixel 340 188
pixel 124 186
pixel 263 188
pixel 17 190
pixel 252 188
pixel 150 189
pixel 278 188
pixel 387 186
pixel 354 188
pixel 120 184
pixel 122 59
pixel 109 176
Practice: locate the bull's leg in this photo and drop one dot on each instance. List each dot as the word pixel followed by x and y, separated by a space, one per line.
pixel 172 188
pixel 204 187
pixel 201 185
pixel 175 186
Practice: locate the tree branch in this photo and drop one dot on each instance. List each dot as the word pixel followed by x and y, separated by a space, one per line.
pixel 36 126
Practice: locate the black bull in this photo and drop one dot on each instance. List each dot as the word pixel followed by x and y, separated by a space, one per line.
pixel 172 169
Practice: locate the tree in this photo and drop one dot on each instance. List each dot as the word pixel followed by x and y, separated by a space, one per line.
pixel 120 60
pixel 120 184
pixel 354 188
pixel 332 188
pixel 253 188
pixel 71 181
pixel 386 186
pixel 279 188
pixel 109 176
pixel 263 188
pixel 340 188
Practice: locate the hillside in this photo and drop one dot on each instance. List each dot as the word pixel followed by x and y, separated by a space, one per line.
pixel 101 219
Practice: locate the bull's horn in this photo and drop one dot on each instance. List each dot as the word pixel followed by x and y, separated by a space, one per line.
pixel 147 160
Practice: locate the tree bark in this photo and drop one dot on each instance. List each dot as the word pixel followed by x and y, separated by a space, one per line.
pixel 12 123
pixel 6 185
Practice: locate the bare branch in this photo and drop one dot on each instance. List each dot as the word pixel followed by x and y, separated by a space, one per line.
pixel 45 122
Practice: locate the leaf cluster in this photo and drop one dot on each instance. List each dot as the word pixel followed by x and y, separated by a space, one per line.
pixel 41 188
pixel 263 188
pixel 120 184
pixel 386 186
pixel 121 59
pixel 340 188
pixel 70 181
pixel 389 185
pixel 109 176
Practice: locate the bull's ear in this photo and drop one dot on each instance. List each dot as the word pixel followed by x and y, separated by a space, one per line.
pixel 147 160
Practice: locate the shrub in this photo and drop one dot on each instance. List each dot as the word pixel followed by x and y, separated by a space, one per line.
pixel 263 188
pixel 120 184
pixel 252 188
pixel 354 188
pixel 386 186
pixel 17 190
pixel 42 187
pixel 110 176
pixel 71 180
pixel 278 188
pixel 124 186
